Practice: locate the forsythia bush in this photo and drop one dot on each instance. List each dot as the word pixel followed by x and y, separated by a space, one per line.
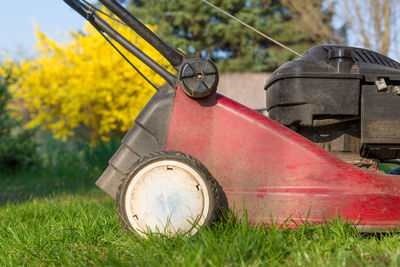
pixel 84 88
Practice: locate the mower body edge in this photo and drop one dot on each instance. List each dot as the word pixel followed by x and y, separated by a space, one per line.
pixel 148 134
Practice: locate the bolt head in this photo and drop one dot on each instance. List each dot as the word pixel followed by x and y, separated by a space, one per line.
pixel 381 84
pixel 396 90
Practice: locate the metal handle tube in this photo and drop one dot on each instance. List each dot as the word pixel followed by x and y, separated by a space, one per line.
pixel 100 24
pixel 176 58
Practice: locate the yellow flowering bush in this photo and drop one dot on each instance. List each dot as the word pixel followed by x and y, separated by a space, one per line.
pixel 84 88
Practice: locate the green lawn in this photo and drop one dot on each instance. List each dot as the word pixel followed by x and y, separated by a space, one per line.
pixel 50 217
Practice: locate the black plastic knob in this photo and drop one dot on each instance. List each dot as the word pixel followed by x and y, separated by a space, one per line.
pixel 342 59
pixel 345 53
pixel 199 78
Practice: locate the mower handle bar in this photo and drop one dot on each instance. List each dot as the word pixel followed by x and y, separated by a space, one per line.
pixel 142 31
pixel 173 55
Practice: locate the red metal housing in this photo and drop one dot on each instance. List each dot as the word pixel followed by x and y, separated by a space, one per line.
pixel 276 173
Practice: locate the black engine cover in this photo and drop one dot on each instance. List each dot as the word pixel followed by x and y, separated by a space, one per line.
pixel 333 90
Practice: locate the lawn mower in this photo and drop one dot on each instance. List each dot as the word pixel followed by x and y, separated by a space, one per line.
pixel 193 153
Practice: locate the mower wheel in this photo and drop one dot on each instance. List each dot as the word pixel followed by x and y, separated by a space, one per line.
pixel 168 192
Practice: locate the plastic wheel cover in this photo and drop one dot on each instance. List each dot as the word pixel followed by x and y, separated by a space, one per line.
pixel 166 196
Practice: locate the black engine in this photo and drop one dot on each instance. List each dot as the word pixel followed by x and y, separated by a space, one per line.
pixel 335 90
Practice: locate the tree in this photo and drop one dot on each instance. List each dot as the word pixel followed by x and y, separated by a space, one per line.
pixel 201 31
pixel 84 89
pixel 372 22
pixel 308 15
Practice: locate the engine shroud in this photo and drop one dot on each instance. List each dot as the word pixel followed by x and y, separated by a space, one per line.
pixel 332 90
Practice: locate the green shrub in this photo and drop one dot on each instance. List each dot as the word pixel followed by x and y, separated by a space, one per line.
pixel 17 146
pixel 70 157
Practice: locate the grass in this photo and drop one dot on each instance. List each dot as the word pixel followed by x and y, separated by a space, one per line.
pixel 55 216
pixel 82 229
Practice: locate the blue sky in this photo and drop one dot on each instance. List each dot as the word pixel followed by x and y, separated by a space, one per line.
pixel 18 17
pixel 54 17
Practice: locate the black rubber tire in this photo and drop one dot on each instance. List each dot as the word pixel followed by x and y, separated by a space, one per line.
pixel 217 198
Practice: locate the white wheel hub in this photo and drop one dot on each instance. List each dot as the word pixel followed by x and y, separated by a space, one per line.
pixel 167 196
